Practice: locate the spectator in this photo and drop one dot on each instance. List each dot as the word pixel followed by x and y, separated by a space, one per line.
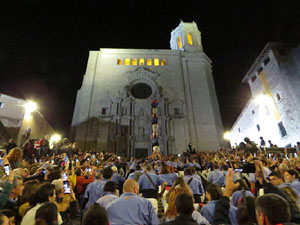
pixel 95 190
pixel 277 180
pixel 117 178
pixel 82 180
pixel 130 208
pixel 15 157
pixel 10 215
pixel 109 195
pixel 136 174
pixel 184 208
pixel 194 184
pixel 48 214
pixel 272 209
pixel 178 188
pixel 11 144
pixel 29 150
pixel 292 178
pixel 217 176
pixel 149 183
pixel 95 215
pixel 6 190
pixel 282 168
pixel 3 219
pixel 62 200
pixel 214 193
pixel 17 190
pixel 164 175
pixel 44 193
pixel 27 199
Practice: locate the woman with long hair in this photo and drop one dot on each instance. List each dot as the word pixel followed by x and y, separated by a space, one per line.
pixel 179 187
pixel 27 199
pixel 15 157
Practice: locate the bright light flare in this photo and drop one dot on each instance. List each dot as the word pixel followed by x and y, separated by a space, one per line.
pixel 227 135
pixel 263 99
pixel 29 108
pixel 55 138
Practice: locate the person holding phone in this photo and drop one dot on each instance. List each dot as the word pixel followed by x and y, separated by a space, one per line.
pixel 63 194
pixel 6 190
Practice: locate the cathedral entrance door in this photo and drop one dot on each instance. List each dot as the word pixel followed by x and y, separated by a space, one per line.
pixel 141 153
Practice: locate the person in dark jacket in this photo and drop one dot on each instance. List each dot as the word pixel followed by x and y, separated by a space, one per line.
pixel 184 207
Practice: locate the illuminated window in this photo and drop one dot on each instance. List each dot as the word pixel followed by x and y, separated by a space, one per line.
pixel 149 62
pixel 179 42
pixel 127 62
pixel 142 62
pixel 190 40
pixel 134 62
pixel 119 61
pixel 156 62
pixel 163 62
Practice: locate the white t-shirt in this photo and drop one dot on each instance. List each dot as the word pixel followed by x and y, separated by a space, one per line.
pixel 29 218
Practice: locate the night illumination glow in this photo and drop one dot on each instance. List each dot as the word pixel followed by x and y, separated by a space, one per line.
pixel 29 108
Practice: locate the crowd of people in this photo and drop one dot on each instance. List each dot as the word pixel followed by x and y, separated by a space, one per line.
pixel 40 186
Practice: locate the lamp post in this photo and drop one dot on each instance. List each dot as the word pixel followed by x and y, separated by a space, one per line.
pixel 29 107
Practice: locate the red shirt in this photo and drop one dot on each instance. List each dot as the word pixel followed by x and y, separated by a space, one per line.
pixel 81 182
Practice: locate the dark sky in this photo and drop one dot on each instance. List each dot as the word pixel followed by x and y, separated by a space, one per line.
pixel 44 45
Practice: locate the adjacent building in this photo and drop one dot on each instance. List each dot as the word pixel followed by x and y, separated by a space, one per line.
pixel 14 125
pixel 133 99
pixel 274 110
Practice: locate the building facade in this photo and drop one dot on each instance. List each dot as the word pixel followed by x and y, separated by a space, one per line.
pixel 133 99
pixel 274 110
pixel 14 125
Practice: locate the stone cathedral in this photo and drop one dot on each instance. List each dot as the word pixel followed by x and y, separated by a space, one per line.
pixel 132 100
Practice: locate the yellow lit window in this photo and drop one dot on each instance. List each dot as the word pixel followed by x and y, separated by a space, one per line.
pixel 190 40
pixel 163 62
pixel 179 42
pixel 127 62
pixel 119 61
pixel 134 62
pixel 149 62
pixel 142 62
pixel 156 62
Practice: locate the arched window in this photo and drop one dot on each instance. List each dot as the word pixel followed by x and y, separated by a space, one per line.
pixel 190 39
pixel 142 62
pixel 134 62
pixel 127 61
pixel 179 42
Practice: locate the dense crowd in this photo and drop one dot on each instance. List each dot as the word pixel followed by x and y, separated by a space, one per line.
pixel 43 185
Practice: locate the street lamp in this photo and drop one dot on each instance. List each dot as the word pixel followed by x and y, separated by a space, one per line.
pixel 29 108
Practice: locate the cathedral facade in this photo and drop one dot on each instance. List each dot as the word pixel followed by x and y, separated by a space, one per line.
pixel 134 99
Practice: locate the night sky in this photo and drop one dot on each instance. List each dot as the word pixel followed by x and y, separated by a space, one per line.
pixel 44 45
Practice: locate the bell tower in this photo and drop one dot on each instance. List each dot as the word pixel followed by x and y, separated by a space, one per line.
pixel 186 37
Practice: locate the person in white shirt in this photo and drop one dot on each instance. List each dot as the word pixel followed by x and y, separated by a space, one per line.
pixel 45 193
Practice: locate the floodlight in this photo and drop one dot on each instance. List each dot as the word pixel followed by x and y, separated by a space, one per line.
pixel 29 108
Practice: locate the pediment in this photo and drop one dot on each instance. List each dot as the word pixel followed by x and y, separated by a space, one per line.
pixel 142 72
